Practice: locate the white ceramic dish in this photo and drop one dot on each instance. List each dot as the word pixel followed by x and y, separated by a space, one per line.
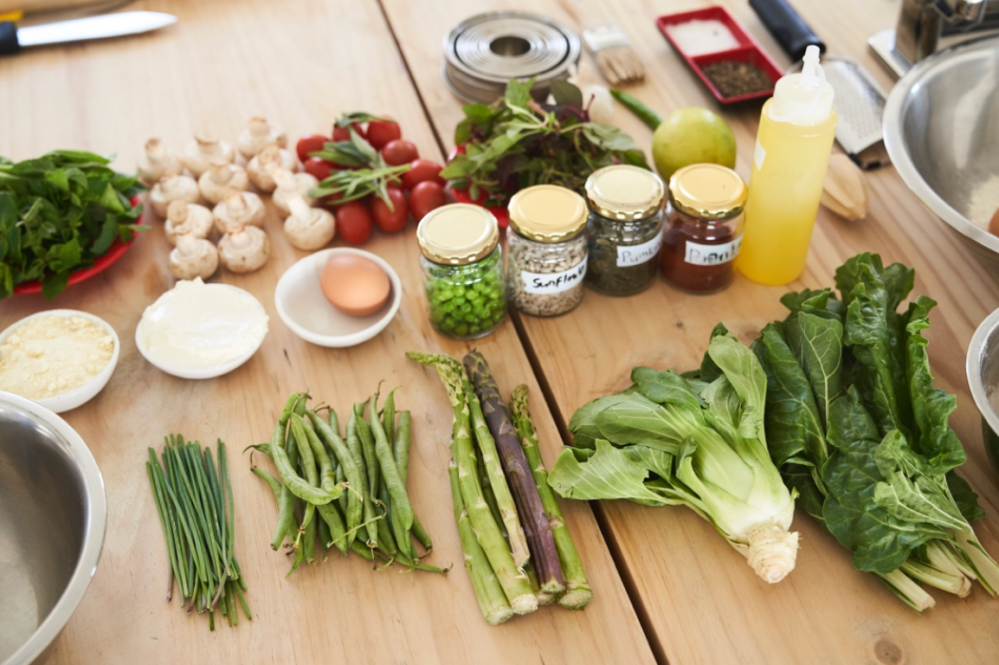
pixel 186 372
pixel 86 392
pixel 303 307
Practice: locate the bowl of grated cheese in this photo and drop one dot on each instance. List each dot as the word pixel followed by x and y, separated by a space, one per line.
pixel 59 358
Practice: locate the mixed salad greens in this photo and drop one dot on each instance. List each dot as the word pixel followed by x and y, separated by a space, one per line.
pixel 517 142
pixel 58 213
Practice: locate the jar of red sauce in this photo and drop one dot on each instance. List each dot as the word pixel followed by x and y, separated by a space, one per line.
pixel 703 227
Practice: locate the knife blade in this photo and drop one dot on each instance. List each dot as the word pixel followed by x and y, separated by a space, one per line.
pixel 12 38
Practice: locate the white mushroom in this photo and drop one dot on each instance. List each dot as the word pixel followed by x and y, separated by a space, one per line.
pixel 245 249
pixel 193 257
pixel 220 179
pixel 188 219
pixel 308 228
pixel 173 188
pixel 292 184
pixel 156 162
pixel 201 152
pixel 239 209
pixel 258 135
pixel 261 167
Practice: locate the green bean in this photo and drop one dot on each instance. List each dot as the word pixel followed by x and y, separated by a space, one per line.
pixel 324 536
pixel 338 530
pixel 365 552
pixel 353 475
pixel 327 476
pixel 394 485
pixel 368 505
pixel 295 483
pixel 367 448
pixel 403 439
pixel 286 500
pixel 639 108
pixel 342 502
pixel 271 481
pixel 388 415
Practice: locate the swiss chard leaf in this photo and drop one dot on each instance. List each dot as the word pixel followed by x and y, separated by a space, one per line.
pixel 964 497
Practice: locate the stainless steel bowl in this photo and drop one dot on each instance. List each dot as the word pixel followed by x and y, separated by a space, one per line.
pixel 941 127
pixel 982 368
pixel 52 517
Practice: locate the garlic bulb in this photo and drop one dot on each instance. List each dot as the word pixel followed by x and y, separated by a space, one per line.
pixel 261 167
pixel 245 249
pixel 220 179
pixel 201 152
pixel 600 102
pixel 193 257
pixel 156 162
pixel 289 185
pixel 188 219
pixel 308 228
pixel 173 188
pixel 844 191
pixel 258 135
pixel 239 209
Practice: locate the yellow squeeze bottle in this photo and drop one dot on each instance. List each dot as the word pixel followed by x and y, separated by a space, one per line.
pixel 796 133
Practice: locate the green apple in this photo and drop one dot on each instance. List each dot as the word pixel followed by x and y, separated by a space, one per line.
pixel 692 135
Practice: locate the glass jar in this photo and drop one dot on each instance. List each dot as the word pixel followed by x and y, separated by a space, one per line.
pixel 547 250
pixel 462 267
pixel 704 227
pixel 624 229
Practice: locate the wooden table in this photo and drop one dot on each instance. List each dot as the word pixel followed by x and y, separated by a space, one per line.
pixel 667 587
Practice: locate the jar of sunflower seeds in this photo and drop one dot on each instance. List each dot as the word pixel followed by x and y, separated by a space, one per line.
pixel 547 250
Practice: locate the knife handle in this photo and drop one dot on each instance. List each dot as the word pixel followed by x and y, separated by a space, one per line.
pixel 8 38
pixel 787 27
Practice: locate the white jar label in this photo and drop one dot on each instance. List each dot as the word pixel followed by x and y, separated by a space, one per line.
pixel 548 283
pixel 633 255
pixel 712 255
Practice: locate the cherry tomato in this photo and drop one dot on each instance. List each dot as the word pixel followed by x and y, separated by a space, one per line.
pixel 343 133
pixel 426 196
pixel 309 143
pixel 422 170
pixel 381 132
pixel 399 152
pixel 353 222
pixel 319 167
pixel 391 221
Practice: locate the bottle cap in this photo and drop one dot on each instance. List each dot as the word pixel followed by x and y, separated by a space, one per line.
pixel 457 234
pixel 624 192
pixel 708 191
pixel 805 98
pixel 547 213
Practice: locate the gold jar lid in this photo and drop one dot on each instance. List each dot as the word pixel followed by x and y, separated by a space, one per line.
pixel 457 234
pixel 624 192
pixel 708 191
pixel 547 213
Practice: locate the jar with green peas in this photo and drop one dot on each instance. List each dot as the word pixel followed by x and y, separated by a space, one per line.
pixel 462 267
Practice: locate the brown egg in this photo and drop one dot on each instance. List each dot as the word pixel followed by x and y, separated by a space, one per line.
pixel 994 223
pixel 355 285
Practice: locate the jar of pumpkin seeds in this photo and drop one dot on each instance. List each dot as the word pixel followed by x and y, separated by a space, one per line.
pixel 624 229
pixel 547 250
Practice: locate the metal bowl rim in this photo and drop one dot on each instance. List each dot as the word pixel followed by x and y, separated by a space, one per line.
pixel 897 102
pixel 93 534
pixel 973 369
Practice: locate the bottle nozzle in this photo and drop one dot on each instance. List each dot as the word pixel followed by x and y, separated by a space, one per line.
pixel 810 69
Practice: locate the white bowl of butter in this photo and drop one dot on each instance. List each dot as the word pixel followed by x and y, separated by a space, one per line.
pixel 201 331
pixel 60 358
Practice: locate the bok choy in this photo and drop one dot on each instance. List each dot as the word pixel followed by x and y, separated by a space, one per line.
pixel 696 440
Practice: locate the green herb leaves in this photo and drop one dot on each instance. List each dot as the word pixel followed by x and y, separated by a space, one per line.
pixel 58 213
pixel 517 142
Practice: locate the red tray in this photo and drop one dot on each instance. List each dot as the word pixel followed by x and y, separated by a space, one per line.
pixel 748 50
pixel 101 263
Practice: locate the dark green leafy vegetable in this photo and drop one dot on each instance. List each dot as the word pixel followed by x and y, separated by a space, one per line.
pixel 58 213
pixel 517 142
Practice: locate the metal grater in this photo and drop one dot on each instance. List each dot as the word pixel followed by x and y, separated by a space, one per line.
pixel 860 103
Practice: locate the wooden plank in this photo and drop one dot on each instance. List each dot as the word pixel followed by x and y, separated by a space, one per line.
pixel 700 601
pixel 300 64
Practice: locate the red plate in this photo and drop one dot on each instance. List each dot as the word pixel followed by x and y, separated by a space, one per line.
pixel 101 263
pixel 748 51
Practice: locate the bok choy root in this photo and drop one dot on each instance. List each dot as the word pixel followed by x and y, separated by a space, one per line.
pixel 696 440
